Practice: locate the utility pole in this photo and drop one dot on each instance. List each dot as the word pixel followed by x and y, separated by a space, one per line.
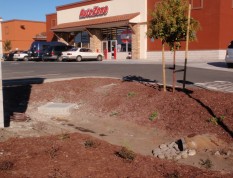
pixel 1 92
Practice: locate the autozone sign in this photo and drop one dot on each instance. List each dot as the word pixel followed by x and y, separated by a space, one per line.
pixel 94 12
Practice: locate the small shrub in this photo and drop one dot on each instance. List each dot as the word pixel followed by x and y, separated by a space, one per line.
pixel 59 174
pixel 53 152
pixel 206 163
pixel 213 120
pixel 221 118
pixel 64 136
pixel 131 94
pixel 90 144
pixel 216 120
pixel 126 154
pixel 115 113
pixel 153 116
pixel 6 165
pixel 173 175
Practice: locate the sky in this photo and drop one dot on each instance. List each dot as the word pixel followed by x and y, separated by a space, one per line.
pixel 34 10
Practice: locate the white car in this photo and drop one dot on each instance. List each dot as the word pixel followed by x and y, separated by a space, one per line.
pixel 20 55
pixel 80 54
pixel 229 55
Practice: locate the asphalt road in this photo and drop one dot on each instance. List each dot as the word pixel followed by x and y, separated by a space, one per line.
pixel 23 71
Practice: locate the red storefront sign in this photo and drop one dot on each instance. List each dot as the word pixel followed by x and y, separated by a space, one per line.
pixel 94 12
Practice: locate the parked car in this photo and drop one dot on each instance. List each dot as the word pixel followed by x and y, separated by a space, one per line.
pixel 38 48
pixel 80 54
pixel 9 56
pixel 54 52
pixel 229 55
pixel 20 55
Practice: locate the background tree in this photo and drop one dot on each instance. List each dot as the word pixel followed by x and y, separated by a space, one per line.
pixel 7 45
pixel 169 24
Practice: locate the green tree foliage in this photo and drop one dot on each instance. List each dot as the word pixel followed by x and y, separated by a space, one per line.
pixel 7 45
pixel 169 22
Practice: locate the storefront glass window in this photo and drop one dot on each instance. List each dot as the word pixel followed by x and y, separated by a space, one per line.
pixel 82 39
pixel 124 40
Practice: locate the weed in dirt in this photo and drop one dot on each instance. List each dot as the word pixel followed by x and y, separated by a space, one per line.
pixel 6 165
pixel 153 116
pixel 59 174
pixel 131 94
pixel 206 163
pixel 53 151
pixel 64 136
pixel 114 113
pixel 173 175
pixel 126 154
pixel 216 120
pixel 90 144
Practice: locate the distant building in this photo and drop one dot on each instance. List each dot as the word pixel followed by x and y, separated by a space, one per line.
pixel 1 46
pixel 120 26
pixel 22 33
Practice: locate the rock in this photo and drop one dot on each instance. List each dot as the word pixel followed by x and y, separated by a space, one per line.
pixel 176 147
pixel 229 153
pixel 168 156
pixel 177 157
pixel 172 144
pixel 192 152
pixel 156 152
pixel 163 146
pixel 184 154
pixel 161 156
pixel 217 153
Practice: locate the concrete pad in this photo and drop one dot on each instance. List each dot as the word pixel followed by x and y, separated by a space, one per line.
pixel 56 109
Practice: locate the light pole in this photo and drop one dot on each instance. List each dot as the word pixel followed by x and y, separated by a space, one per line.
pixel 1 95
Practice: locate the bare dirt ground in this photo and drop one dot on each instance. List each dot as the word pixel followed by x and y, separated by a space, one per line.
pixel 111 115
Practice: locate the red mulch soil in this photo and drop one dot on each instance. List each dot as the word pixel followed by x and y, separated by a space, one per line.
pixel 179 114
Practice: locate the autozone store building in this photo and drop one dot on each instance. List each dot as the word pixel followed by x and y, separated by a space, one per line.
pixel 118 27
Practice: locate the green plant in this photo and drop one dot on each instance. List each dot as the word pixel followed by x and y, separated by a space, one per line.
pixel 131 94
pixel 64 136
pixel 216 120
pixel 53 151
pixel 221 118
pixel 7 45
pixel 6 165
pixel 90 144
pixel 213 120
pixel 173 175
pixel 169 23
pixel 114 113
pixel 126 154
pixel 206 163
pixel 153 116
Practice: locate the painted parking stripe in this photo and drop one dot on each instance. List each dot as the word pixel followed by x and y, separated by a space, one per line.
pixel 223 86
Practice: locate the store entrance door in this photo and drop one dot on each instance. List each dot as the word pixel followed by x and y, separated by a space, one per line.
pixel 105 49
pixel 113 49
pixel 109 48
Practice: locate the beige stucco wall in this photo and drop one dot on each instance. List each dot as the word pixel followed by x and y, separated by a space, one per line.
pixel 116 7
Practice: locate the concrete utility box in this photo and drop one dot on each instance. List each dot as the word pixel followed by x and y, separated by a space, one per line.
pixel 57 109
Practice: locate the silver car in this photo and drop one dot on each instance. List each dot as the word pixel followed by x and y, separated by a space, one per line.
pixel 229 55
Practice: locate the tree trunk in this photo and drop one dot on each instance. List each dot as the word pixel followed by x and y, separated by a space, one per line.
pixel 174 70
pixel 164 71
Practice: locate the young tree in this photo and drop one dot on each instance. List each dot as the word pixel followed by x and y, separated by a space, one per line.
pixel 7 45
pixel 169 24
